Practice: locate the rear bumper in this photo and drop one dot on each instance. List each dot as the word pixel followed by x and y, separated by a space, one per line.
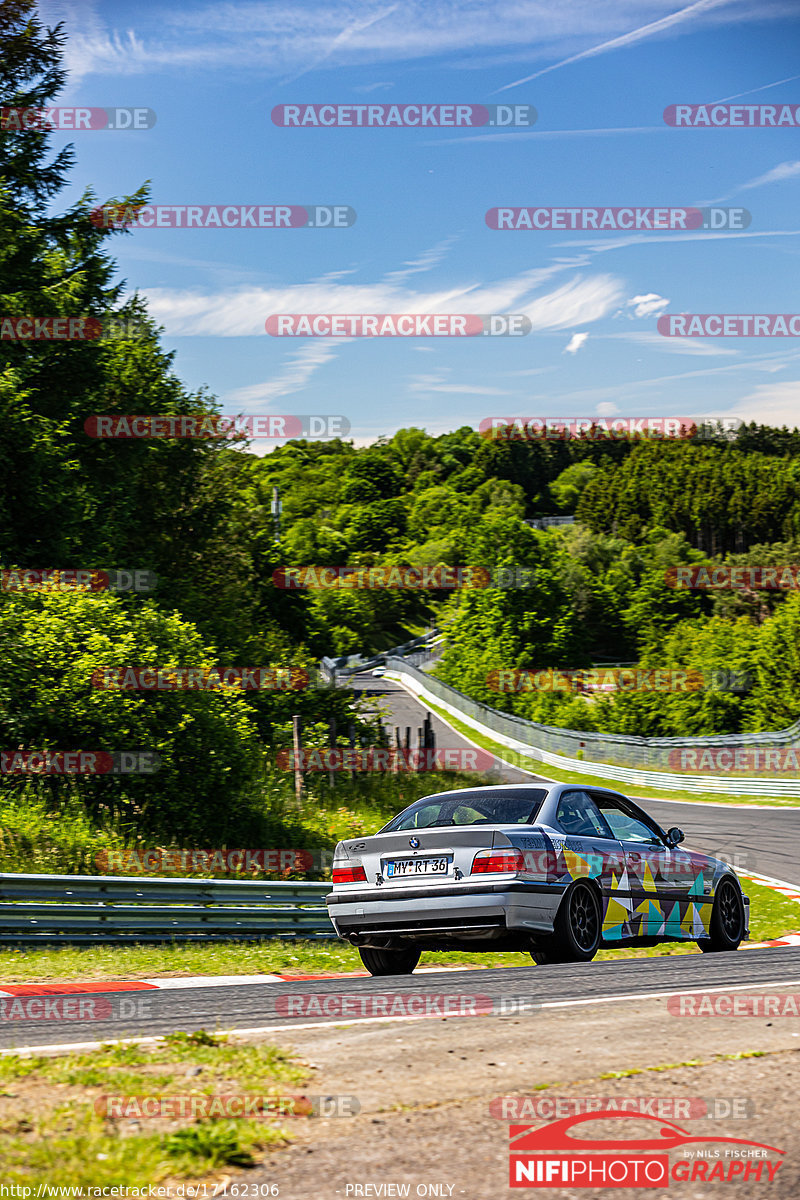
pixel 478 911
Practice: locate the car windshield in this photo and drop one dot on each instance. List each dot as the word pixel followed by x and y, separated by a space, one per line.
pixel 470 808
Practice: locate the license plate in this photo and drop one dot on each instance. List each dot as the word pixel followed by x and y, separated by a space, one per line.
pixel 406 867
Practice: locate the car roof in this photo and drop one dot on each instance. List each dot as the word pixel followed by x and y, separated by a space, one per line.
pixel 550 786
pixel 490 787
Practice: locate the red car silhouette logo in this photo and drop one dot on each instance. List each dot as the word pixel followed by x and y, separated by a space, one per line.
pixel 555 1136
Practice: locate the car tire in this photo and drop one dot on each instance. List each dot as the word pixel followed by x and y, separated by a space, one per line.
pixel 389 962
pixel 576 931
pixel 726 928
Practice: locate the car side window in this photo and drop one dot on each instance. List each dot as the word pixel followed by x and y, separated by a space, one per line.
pixel 577 813
pixel 625 826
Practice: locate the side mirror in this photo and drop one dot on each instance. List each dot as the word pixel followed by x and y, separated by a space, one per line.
pixel 674 836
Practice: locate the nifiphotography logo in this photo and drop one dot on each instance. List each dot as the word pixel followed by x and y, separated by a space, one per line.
pixel 554 1156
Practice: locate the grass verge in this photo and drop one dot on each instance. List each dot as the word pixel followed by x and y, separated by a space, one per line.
pixel 50 1131
pixel 771 915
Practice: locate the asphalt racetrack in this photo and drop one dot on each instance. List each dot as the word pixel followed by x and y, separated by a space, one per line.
pixel 429 1081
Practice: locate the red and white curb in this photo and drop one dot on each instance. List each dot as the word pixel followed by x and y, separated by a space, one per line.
pixel 179 983
pixel 791 892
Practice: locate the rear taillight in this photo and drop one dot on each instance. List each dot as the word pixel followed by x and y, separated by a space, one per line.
pixel 495 861
pixel 349 875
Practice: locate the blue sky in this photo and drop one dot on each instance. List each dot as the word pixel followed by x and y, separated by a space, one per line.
pixel 599 72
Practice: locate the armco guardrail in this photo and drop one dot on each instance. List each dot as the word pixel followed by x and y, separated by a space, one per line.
pixel 631 760
pixel 353 664
pixel 112 908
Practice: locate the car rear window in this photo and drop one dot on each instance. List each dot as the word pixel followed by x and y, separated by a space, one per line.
pixel 470 808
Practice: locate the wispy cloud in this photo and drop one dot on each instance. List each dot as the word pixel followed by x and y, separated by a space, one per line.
pixel 242 312
pixel 647 306
pixel 771 404
pixel 301 364
pixel 348 34
pixel 764 87
pixel 423 384
pixel 517 135
pixel 651 29
pixel 575 342
pixel 768 364
pixel 285 40
pixel 784 170
pixel 598 245
pixel 426 261
pixel 673 345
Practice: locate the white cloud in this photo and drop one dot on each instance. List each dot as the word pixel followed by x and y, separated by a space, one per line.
pixel 764 87
pixel 784 170
pixel 524 134
pixel 651 29
pixel 426 261
pixel 775 403
pixel 607 409
pixel 599 246
pixel 575 342
pixel 243 312
pixel 674 345
pixel 285 39
pixel 301 364
pixel 768 364
pixel 647 306
pixel 461 389
pixel 576 303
